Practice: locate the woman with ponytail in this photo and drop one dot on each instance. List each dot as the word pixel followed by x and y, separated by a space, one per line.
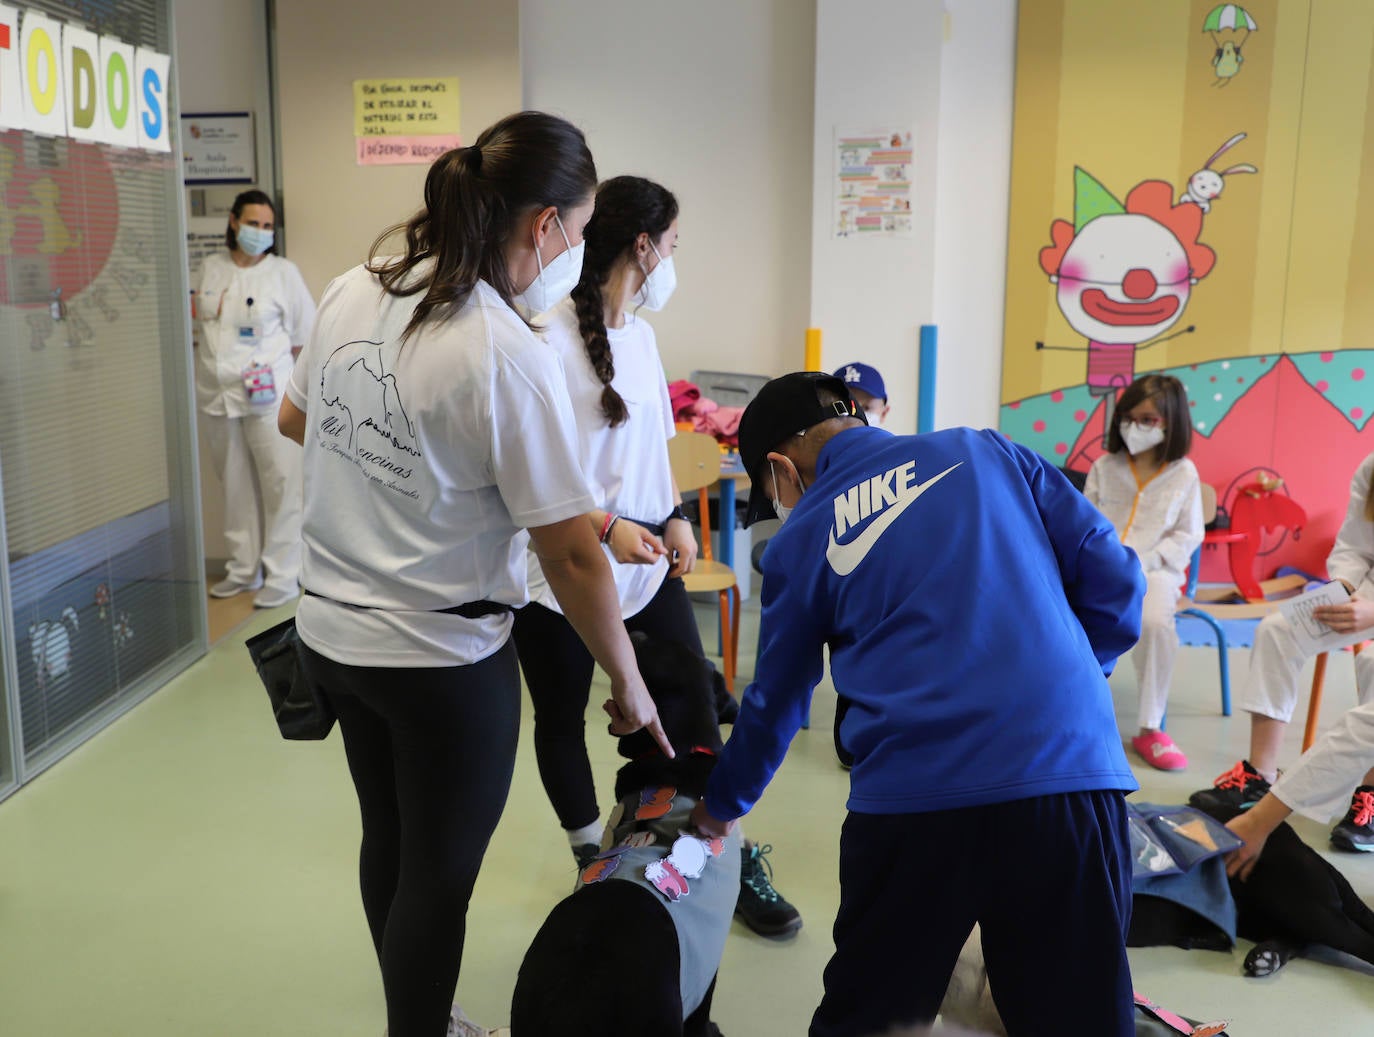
pixel 624 420
pixel 436 428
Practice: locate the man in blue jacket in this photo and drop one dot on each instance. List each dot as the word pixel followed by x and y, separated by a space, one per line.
pixel 974 603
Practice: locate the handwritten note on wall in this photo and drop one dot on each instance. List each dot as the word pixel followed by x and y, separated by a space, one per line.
pixel 405 107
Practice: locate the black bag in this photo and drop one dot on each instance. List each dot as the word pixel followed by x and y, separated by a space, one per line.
pixel 302 712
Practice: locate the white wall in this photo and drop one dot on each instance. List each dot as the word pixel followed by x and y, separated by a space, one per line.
pixel 222 65
pixel 334 207
pixel 977 75
pixel 877 68
pixel 713 99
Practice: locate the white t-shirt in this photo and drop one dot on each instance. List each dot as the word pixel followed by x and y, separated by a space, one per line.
pixel 627 466
pixel 423 463
pixel 1352 556
pixel 234 335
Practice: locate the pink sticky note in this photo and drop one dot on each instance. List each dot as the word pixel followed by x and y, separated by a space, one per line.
pixel 404 151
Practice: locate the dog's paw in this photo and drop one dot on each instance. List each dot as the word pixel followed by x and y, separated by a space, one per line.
pixel 1268 957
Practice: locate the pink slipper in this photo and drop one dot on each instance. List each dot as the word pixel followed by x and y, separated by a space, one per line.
pixel 1158 750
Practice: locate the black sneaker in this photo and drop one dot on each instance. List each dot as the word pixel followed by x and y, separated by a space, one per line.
pixel 760 906
pixel 1240 788
pixel 1356 830
pixel 584 854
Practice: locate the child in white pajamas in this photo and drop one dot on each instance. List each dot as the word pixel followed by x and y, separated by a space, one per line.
pixel 1149 490
pixel 1271 690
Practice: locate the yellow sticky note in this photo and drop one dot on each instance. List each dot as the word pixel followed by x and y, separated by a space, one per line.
pixel 405 107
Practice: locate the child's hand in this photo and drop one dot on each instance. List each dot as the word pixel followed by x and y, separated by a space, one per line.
pixel 681 545
pixel 708 825
pixel 1347 617
pixel 631 543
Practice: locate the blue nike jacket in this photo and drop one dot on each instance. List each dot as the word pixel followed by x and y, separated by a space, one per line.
pixel 974 604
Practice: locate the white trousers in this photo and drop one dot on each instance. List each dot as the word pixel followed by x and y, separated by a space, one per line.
pixel 1271 689
pixel 261 472
pixel 1319 785
pixel 1155 652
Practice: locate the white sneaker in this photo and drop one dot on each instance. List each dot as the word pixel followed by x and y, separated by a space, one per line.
pixel 228 587
pixel 459 1025
pixel 271 597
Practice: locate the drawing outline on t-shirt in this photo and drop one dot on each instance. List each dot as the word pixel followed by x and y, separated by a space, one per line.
pixel 364 419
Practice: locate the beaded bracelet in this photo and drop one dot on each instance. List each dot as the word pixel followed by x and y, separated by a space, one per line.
pixel 608 525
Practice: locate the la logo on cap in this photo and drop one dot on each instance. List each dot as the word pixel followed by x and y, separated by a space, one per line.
pixel 851 373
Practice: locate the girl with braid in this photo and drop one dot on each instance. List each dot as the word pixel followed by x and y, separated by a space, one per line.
pixel 624 420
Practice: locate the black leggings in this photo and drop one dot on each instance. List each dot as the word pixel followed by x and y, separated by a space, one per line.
pixel 558 672
pixel 431 752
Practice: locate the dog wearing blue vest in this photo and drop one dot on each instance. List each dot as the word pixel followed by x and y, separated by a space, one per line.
pixel 634 949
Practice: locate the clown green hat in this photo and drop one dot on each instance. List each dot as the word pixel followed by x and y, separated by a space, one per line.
pixel 1091 199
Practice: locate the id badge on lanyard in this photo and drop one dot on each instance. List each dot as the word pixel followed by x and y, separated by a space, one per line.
pixel 259 382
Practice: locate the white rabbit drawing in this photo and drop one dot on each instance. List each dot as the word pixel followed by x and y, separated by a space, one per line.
pixel 1206 183
pixel 51 644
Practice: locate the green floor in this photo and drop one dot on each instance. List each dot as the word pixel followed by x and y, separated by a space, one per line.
pixel 187 872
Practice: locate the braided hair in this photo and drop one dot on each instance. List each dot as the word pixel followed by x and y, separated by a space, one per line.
pixel 626 207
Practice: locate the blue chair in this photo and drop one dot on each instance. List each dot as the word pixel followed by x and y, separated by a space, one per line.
pixel 1187 607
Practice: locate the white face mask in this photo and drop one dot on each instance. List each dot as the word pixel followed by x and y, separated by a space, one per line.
pixel 659 283
pixel 556 281
pixel 1139 438
pixel 875 416
pixel 779 508
pixel 253 241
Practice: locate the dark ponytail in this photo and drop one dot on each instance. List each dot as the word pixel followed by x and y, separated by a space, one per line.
pixel 626 207
pixel 473 197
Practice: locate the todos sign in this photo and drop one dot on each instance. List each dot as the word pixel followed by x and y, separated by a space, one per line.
pixel 65 81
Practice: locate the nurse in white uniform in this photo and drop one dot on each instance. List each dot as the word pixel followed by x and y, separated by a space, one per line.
pixel 255 314
pixel 437 428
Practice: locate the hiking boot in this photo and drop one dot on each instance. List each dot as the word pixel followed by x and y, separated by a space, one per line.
pixel 1240 788
pixel 584 854
pixel 1356 831
pixel 760 906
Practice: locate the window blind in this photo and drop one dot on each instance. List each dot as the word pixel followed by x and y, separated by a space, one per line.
pixel 96 451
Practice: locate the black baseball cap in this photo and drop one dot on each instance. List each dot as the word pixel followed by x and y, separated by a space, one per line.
pixel 782 408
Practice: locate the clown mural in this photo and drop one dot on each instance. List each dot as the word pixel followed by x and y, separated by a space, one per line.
pixel 1254 114
pixel 1123 275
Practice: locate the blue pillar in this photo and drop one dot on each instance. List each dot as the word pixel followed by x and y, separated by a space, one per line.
pixel 925 386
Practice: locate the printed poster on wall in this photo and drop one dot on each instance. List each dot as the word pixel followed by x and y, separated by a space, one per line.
pixel 404 121
pixel 873 183
pixel 217 148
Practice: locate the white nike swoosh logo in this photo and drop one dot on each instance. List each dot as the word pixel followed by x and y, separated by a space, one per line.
pixel 845 558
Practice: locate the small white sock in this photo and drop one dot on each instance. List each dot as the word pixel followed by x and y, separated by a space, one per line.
pixel 586 834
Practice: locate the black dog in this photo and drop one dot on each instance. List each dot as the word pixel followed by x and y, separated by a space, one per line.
pixel 635 948
pixel 1294 899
